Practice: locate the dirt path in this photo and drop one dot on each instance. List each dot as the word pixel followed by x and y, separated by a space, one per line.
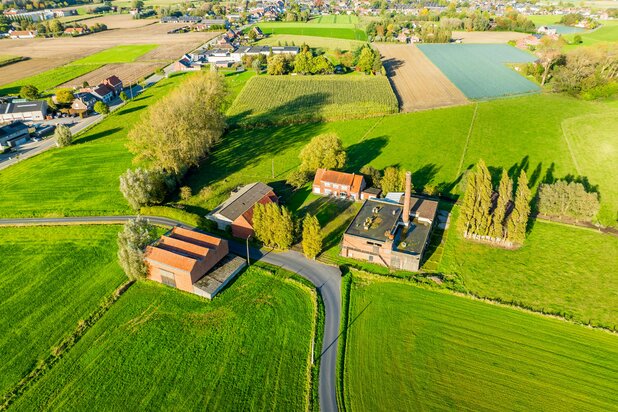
pixel 418 83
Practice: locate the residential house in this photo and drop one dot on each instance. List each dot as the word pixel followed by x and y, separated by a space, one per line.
pixel 293 50
pixel 258 32
pixel 546 30
pixel 186 64
pixel 75 31
pixel 22 34
pixel 237 211
pixel 83 103
pixel 181 19
pixel 30 110
pixel 209 23
pixel 114 83
pixel 192 261
pixel 13 134
pixel 103 93
pixel 390 233
pixel 338 184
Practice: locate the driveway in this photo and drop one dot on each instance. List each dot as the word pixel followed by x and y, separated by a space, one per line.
pixel 327 279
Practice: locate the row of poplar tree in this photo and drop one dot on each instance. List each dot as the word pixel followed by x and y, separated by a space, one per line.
pixel 495 216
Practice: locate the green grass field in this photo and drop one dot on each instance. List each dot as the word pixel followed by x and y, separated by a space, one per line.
pixel 336 19
pixel 8 59
pixel 608 32
pixel 560 269
pixel 59 75
pixel 117 54
pixel 338 31
pixel 414 349
pixel 51 277
pixel 158 348
pixel 296 99
pixel 81 179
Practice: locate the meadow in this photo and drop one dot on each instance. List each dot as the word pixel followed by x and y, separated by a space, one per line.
pixel 297 99
pixel 561 269
pixel 81 179
pixel 51 78
pixel 435 351
pixel 336 19
pixel 51 277
pixel 608 32
pixel 157 348
pixel 326 43
pixel 338 31
pixel 480 70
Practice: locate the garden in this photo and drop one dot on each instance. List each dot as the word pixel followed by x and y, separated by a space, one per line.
pixel 480 71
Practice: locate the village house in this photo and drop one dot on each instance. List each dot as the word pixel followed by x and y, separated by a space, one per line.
pixel 237 212
pixel 32 110
pixel 75 31
pixel 83 103
pixel 103 93
pixel 339 184
pixel 22 34
pixel 13 135
pixel 114 83
pixel 186 64
pixel 391 233
pixel 193 262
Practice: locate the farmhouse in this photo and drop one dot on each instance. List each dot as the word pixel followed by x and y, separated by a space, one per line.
pixel 103 93
pixel 192 261
pixel 33 110
pixel 338 184
pixel 390 233
pixel 237 211
pixel 75 31
pixel 13 134
pixel 115 83
pixel 83 103
pixel 22 34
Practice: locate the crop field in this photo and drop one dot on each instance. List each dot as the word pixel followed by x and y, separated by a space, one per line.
pixel 54 77
pixel 326 43
pixel 487 37
pixel 419 84
pixel 119 21
pixel 338 31
pixel 560 269
pixel 46 54
pixel 52 277
pixel 127 72
pixel 336 19
pixel 294 99
pixel 435 351
pixel 479 70
pixel 81 179
pixel 158 348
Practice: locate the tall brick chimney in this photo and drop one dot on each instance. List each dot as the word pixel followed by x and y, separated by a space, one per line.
pixel 406 200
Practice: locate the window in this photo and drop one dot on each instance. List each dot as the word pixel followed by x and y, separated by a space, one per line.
pixel 168 278
pixel 370 258
pixel 326 184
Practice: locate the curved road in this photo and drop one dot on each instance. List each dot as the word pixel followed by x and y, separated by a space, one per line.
pixel 327 279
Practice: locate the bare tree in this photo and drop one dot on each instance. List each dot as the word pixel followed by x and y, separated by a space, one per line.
pixel 549 51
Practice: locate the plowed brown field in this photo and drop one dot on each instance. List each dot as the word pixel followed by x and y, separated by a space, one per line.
pixel 128 72
pixel 418 83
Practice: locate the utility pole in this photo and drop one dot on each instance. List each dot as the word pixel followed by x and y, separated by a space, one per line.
pixel 248 261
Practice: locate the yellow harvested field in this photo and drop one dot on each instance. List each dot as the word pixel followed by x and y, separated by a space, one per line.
pixel 418 83
pixel 119 21
pixel 127 72
pixel 484 37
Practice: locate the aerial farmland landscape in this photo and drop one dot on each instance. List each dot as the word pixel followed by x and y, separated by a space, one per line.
pixel 297 205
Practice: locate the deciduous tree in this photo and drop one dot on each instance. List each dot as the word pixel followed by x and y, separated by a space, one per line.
pixel 273 225
pixel 323 151
pixel 393 180
pixel 549 52
pixel 372 175
pixel 312 236
pixel 142 187
pixel 568 199
pixel 29 92
pixel 63 136
pixel 135 236
pixel 101 108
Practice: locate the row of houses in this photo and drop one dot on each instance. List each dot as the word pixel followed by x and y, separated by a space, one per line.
pixel 201 23
pixel 86 97
pixel 226 58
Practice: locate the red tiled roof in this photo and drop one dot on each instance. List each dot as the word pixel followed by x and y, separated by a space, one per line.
pixel 340 178
pixel 114 80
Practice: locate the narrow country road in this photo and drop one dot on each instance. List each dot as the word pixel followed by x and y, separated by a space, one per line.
pixel 327 279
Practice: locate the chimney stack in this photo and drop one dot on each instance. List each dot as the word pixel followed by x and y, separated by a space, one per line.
pixel 406 200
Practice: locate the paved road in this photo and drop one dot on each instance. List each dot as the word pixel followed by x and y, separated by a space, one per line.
pixel 327 280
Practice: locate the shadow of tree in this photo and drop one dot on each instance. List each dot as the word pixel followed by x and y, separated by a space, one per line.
pixel 362 153
pixel 425 175
pixel 131 110
pixel 95 136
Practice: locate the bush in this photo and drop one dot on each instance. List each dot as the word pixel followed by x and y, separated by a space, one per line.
pixel 185 193
pixel 568 199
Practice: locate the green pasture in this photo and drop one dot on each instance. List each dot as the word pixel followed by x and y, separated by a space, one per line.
pixel 608 32
pixel 560 269
pixel 59 75
pixel 81 179
pixel 51 277
pixel 117 54
pixel 480 71
pixel 414 349
pixel 340 31
pixel 294 99
pixel 336 19
pixel 158 348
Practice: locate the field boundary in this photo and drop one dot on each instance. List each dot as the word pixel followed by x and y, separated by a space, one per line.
pixel 346 286
pixel 63 347
pixel 465 149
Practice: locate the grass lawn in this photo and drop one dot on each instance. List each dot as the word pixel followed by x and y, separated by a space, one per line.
pixel 158 348
pixel 311 41
pixel 50 279
pixel 434 145
pixel 51 78
pixel 81 179
pixel 560 269
pixel 337 31
pixel 117 54
pixel 336 19
pixel 414 349
pixel 295 99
